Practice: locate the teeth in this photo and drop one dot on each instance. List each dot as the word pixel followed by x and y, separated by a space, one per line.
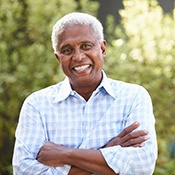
pixel 81 68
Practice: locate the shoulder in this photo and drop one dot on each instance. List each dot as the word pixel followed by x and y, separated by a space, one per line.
pixel 121 85
pixel 47 93
pixel 125 88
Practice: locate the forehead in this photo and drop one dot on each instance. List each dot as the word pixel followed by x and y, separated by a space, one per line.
pixel 76 33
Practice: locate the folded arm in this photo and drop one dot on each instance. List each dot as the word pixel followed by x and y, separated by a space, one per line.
pixel 30 136
pixel 89 161
pixel 136 158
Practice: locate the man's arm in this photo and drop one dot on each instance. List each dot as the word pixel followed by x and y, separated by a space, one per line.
pixel 89 161
pixel 131 160
pixel 30 136
pixel 128 160
pixel 75 170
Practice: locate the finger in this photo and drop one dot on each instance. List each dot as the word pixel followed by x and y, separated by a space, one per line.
pixel 134 134
pixel 129 129
pixel 135 142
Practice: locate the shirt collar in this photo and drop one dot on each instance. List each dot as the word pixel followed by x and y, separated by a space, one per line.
pixel 106 85
pixel 65 89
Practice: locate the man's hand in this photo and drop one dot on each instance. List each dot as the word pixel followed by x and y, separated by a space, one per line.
pixel 52 154
pixel 129 137
pixel 49 153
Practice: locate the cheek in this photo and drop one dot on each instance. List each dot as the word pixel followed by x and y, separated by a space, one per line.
pixel 64 65
pixel 100 59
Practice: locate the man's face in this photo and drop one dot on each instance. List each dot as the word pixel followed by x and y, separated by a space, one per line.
pixel 81 55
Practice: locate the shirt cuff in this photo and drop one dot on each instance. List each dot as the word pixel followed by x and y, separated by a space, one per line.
pixel 115 158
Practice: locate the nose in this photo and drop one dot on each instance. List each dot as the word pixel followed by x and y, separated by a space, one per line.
pixel 78 55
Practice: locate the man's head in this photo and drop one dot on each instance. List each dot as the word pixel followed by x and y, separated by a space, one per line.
pixel 76 18
pixel 79 47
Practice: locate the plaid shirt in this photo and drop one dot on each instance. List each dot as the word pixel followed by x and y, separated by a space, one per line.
pixel 61 115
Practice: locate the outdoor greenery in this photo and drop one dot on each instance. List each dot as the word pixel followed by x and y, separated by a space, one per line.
pixel 144 53
pixel 140 50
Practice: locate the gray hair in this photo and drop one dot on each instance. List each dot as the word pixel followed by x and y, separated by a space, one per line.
pixel 76 18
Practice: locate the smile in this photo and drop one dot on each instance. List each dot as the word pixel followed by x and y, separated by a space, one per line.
pixel 82 68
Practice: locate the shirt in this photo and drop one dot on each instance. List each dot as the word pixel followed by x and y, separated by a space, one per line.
pixel 59 114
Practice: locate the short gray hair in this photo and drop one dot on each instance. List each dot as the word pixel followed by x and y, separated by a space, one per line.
pixel 76 18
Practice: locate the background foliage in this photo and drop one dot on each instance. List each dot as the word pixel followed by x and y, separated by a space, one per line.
pixel 140 50
pixel 144 53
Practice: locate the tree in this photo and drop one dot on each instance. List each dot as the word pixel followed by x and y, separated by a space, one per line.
pixel 140 50
pixel 27 61
pixel 143 52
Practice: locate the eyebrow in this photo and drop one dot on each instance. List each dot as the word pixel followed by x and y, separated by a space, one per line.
pixel 87 42
pixel 64 46
pixel 83 42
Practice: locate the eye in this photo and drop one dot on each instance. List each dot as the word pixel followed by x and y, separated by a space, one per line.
pixel 66 51
pixel 86 46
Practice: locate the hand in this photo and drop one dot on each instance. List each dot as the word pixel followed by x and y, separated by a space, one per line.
pixel 51 154
pixel 129 137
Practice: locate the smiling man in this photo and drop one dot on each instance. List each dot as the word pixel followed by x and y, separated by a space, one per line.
pixel 88 123
pixel 81 57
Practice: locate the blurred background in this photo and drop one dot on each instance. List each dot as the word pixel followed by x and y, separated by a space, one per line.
pixel 140 49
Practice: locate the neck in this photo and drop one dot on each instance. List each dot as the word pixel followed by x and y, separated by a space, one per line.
pixel 86 90
pixel 85 87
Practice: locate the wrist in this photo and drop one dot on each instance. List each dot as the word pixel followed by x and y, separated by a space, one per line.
pixel 67 157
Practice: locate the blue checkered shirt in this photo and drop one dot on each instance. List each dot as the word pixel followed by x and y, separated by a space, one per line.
pixel 61 115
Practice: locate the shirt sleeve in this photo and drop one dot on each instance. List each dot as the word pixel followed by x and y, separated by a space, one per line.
pixel 30 136
pixel 131 160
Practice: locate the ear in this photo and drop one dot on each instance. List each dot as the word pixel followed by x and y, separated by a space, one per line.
pixel 103 48
pixel 57 57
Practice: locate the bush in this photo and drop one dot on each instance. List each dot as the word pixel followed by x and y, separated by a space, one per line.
pixel 142 51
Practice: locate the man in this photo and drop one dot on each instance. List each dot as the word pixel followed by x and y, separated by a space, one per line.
pixel 88 123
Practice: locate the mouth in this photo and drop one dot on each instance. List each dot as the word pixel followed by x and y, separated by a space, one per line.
pixel 82 68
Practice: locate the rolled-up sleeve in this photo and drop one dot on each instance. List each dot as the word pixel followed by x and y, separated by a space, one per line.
pixel 30 137
pixel 140 160
pixel 130 161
